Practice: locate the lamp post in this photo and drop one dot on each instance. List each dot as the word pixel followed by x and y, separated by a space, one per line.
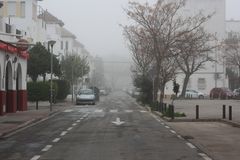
pixel 51 43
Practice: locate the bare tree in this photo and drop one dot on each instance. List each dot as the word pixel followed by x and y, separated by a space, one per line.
pixel 193 52
pixel 165 26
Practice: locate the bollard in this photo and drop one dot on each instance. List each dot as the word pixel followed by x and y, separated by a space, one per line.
pixel 224 112
pixel 164 107
pixel 230 113
pixel 197 111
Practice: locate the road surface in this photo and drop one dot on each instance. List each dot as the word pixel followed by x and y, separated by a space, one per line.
pixel 117 128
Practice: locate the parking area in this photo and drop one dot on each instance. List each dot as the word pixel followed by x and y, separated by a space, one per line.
pixel 208 109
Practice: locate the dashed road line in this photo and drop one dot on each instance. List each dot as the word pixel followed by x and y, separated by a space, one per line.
pixel 81 118
pixel 128 111
pixel 173 131
pixel 97 111
pixel 46 148
pixel 56 140
pixel 68 110
pixel 63 133
pixel 167 127
pixel 143 111
pixel 70 128
pixel 78 121
pixel 180 137
pixel 113 111
pixel 204 156
pixel 158 120
pixel 74 124
pixel 191 145
pixel 162 123
pixel 36 157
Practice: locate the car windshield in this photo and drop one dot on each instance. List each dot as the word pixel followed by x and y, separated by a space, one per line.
pixel 86 92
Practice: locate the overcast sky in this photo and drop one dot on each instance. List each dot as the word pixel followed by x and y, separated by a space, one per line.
pixel 96 22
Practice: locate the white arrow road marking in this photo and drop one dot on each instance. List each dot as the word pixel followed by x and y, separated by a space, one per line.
pixel 56 140
pixel 35 157
pixel 129 111
pixel 118 122
pixel 113 111
pixel 63 133
pixel 46 148
pixel 68 110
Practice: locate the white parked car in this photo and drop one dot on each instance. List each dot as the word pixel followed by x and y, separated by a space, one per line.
pixel 85 96
pixel 190 93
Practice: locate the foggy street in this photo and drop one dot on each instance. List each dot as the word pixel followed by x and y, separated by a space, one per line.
pixel 117 128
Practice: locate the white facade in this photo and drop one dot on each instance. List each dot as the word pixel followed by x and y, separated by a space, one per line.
pixel 214 73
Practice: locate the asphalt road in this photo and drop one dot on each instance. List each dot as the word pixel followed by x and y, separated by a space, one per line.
pixel 87 133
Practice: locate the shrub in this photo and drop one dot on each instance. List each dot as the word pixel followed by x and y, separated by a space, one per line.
pixel 39 91
pixel 63 89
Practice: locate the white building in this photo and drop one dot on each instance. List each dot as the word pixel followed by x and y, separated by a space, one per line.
pixel 214 73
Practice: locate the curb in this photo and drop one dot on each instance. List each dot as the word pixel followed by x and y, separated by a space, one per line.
pixel 27 124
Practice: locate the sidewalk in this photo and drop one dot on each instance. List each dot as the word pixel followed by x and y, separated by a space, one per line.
pixel 12 122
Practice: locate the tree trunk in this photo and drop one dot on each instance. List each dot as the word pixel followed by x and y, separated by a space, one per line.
pixel 162 89
pixel 155 89
pixel 44 77
pixel 185 83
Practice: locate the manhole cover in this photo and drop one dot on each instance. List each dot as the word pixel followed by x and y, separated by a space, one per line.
pixel 12 122
pixel 187 137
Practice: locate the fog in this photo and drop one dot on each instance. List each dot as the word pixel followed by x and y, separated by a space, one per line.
pixel 96 24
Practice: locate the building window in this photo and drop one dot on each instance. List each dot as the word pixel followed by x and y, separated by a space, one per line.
pixel 66 46
pixel 18 32
pixel 61 45
pixel 12 7
pixel 8 28
pixel 22 9
pixel 202 84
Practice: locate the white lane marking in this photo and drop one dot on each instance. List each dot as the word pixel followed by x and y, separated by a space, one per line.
pixel 167 127
pixel 180 137
pixel 78 121
pixel 35 157
pixel 96 111
pixel 68 110
pixel 162 123
pixel 46 148
pixel 191 145
pixel 63 133
pixel 81 118
pixel 158 120
pixel 173 131
pixel 128 111
pixel 74 124
pixel 204 156
pixel 87 115
pixel 143 111
pixel 70 128
pixel 113 111
pixel 56 140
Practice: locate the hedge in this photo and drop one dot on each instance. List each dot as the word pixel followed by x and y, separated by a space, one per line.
pixel 63 89
pixel 39 91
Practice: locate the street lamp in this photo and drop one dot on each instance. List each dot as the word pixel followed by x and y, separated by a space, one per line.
pixel 51 43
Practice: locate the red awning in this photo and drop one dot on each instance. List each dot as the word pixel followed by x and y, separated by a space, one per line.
pixel 7 47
